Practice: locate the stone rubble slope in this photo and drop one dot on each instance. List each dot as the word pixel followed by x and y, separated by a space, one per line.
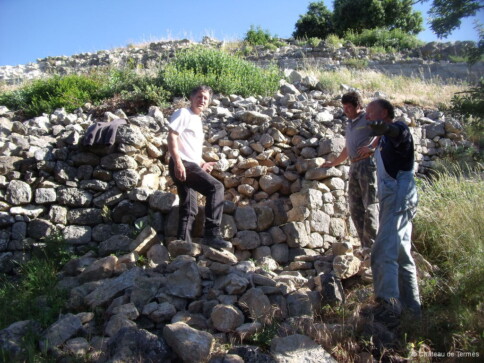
pixel 158 297
pixel 431 60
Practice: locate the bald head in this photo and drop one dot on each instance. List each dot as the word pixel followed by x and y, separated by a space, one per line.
pixel 380 110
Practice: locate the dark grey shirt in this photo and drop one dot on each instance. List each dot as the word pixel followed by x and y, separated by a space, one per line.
pixel 357 135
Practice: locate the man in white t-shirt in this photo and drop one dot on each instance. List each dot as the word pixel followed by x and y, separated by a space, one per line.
pixel 191 174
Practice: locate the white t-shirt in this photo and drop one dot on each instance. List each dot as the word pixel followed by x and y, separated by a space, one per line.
pixel 188 125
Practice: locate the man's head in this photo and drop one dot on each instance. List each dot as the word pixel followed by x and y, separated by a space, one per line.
pixel 352 104
pixel 200 98
pixel 380 110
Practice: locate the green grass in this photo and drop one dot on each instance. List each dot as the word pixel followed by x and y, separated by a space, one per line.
pixel 394 39
pixel 46 95
pixel 449 232
pixel 135 90
pixel 356 63
pixel 399 89
pixel 468 105
pixel 32 294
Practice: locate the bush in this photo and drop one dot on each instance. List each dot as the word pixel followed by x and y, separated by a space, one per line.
pixel 395 38
pixel 448 231
pixel 45 95
pixel 223 72
pixel 141 90
pixel 333 41
pixel 257 36
pixel 314 42
pixel 469 106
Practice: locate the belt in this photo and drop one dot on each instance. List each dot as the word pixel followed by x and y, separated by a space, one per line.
pixel 358 158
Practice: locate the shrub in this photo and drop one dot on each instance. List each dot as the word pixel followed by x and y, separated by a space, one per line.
pixel 333 41
pixel 46 95
pixel 34 295
pixel 257 36
pixel 223 72
pixel 133 87
pixel 314 42
pixel 395 38
pixel 469 106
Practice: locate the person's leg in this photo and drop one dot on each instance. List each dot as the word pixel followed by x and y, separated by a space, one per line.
pixel 202 182
pixel 355 202
pixel 384 256
pixel 369 200
pixel 407 273
pixel 213 190
pixel 188 206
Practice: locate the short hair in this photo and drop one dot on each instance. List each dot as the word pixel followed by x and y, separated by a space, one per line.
pixel 201 88
pixel 353 98
pixel 386 105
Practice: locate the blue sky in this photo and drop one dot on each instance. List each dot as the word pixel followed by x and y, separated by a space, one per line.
pixel 31 29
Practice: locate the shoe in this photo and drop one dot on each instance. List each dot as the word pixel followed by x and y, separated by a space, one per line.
pixel 388 313
pixel 216 242
pixel 385 312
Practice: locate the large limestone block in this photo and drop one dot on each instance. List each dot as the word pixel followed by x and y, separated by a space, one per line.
pixel 189 344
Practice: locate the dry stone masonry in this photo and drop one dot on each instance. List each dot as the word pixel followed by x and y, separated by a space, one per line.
pixel 164 299
pixel 429 61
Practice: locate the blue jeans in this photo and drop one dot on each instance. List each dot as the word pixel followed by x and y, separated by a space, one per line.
pixel 393 267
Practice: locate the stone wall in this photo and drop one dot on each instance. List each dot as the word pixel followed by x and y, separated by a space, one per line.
pixel 294 246
pixel 279 202
pixel 429 61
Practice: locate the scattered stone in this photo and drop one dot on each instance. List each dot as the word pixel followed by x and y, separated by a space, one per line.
pixel 189 344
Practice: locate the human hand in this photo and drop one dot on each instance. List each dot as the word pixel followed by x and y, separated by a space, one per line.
pixel 208 167
pixel 365 151
pixel 180 172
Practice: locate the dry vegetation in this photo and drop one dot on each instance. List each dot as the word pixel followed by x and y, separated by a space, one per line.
pixel 432 93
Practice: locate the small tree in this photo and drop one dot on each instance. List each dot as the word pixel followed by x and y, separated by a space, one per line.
pixel 370 14
pixel 316 23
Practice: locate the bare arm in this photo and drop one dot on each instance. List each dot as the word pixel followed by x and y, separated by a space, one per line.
pixel 341 158
pixel 370 148
pixel 180 172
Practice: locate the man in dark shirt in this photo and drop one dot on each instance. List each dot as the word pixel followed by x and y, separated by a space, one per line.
pixel 393 268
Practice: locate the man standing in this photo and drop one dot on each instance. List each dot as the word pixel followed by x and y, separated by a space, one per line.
pixel 393 268
pixel 362 177
pixel 191 174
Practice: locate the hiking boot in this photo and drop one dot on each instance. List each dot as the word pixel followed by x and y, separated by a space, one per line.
pixel 216 242
pixel 388 313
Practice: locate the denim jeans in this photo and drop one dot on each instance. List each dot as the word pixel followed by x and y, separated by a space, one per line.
pixel 198 180
pixel 393 267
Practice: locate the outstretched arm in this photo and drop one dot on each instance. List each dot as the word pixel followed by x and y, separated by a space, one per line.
pixel 341 158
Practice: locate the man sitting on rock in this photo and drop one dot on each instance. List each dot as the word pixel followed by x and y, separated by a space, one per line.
pixel 191 175
pixel 362 177
pixel 393 268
